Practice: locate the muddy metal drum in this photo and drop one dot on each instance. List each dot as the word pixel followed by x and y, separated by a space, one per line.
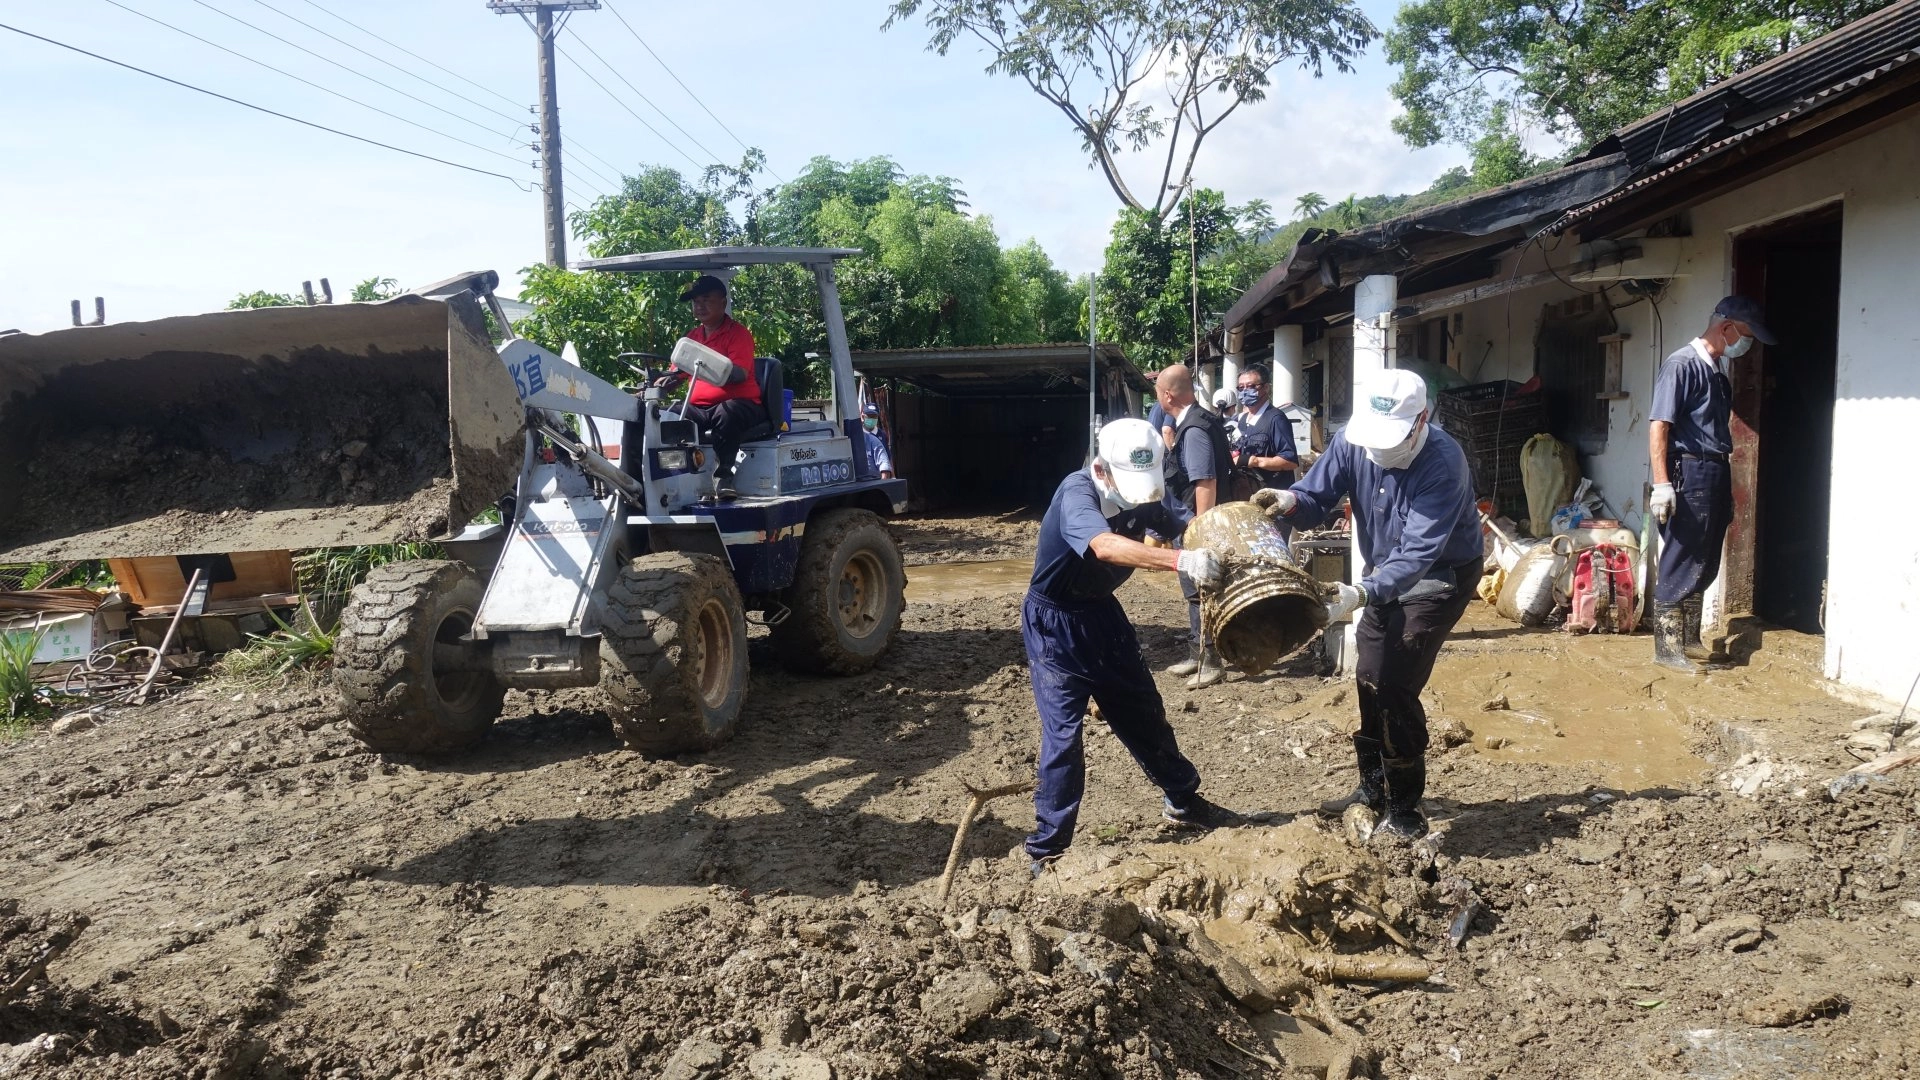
pixel 1267 607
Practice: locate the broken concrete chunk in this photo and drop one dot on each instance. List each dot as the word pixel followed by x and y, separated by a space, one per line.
pixel 960 999
pixel 1029 950
pixel 695 1059
pixel 1730 934
pixel 1095 957
pixel 68 725
pixel 1784 1008
pixel 782 1064
pixel 1910 908
pixel 1590 852
pixel 1878 742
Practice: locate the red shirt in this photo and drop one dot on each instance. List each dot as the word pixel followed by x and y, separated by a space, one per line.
pixel 735 342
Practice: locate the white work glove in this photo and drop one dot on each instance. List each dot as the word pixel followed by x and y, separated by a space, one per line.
pixel 1660 503
pixel 1275 501
pixel 1350 599
pixel 1201 566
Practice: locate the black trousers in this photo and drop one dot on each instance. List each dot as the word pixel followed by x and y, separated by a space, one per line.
pixel 1691 538
pixel 726 423
pixel 1397 644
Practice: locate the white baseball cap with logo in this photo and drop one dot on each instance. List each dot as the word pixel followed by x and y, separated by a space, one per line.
pixel 1386 406
pixel 1131 451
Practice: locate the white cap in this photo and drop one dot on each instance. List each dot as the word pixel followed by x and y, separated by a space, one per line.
pixel 1131 451
pixel 1385 407
pixel 1223 398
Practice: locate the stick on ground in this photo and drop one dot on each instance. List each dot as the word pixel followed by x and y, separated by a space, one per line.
pixel 976 798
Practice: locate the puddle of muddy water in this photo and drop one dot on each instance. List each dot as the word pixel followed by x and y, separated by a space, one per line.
pixel 954 582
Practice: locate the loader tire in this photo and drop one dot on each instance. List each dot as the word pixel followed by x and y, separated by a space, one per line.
pixel 384 660
pixel 848 592
pixel 673 653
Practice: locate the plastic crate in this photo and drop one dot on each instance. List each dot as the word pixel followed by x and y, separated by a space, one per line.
pixel 1492 422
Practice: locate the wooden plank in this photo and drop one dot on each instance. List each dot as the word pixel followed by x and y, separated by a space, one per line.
pixel 157 580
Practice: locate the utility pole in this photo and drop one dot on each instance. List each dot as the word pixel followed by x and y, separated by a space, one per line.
pixel 544 28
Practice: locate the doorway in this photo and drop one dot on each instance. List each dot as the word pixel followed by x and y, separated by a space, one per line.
pixel 1783 423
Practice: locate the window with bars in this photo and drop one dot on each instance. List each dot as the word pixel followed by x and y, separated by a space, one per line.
pixel 1571 360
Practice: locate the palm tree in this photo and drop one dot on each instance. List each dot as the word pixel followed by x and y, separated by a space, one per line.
pixel 1349 212
pixel 1308 205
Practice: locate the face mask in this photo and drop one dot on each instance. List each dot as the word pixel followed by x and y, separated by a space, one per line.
pixel 1401 456
pixel 1738 348
pixel 871 425
pixel 1111 501
pixel 1250 396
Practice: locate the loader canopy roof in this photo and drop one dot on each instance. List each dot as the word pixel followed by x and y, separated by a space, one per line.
pixel 715 258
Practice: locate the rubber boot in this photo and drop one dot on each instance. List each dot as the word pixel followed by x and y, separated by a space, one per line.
pixel 1670 636
pixel 1405 780
pixel 1210 670
pixel 1696 649
pixel 1371 792
pixel 1184 668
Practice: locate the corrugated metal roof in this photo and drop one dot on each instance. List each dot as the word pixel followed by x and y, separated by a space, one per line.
pixel 1735 104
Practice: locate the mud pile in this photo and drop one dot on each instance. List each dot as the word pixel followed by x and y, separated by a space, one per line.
pixel 873 986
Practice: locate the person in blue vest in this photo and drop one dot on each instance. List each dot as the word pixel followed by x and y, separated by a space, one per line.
pixel 1266 433
pixel 1418 535
pixel 1689 435
pixel 877 457
pixel 1080 645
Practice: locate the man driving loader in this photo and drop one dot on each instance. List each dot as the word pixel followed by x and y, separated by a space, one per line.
pixel 724 412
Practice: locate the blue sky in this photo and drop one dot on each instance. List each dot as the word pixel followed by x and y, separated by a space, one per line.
pixel 165 201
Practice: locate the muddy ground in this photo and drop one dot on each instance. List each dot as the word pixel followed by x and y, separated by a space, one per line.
pixel 267 900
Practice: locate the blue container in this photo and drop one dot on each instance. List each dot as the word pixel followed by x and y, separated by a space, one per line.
pixel 786 404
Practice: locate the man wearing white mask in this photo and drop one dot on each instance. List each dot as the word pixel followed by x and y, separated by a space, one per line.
pixel 1081 646
pixel 1419 535
pixel 1689 436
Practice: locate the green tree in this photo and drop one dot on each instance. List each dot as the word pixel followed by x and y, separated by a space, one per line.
pixel 1146 284
pixel 375 288
pixel 1308 205
pixel 260 298
pixel 1349 213
pixel 1037 302
pixel 1099 63
pixel 1579 70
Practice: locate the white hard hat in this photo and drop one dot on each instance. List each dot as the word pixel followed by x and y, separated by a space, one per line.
pixel 1131 451
pixel 1386 405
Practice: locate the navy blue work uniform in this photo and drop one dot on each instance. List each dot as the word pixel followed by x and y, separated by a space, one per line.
pixel 1268 433
pixel 1080 646
pixel 1418 531
pixel 1695 398
pixel 1200 452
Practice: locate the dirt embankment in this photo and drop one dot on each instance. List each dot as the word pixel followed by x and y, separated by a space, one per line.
pixel 268 900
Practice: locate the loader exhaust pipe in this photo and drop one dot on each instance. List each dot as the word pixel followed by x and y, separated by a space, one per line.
pixel 297 427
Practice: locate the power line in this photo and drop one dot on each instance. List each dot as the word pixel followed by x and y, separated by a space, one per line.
pixel 583 165
pixel 345 68
pixel 391 64
pixel 608 4
pixel 636 90
pixel 310 82
pixel 576 145
pixel 264 109
pixel 629 108
pixel 415 55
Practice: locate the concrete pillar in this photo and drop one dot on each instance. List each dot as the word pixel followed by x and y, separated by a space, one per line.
pixel 1289 358
pixel 1373 302
pixel 1230 361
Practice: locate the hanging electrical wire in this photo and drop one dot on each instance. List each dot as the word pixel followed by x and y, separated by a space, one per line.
pixel 391 64
pixel 351 71
pixel 263 109
pixel 629 108
pixel 310 82
pixel 608 4
pixel 587 45
pixel 394 45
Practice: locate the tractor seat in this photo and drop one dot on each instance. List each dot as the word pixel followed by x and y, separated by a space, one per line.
pixel 766 370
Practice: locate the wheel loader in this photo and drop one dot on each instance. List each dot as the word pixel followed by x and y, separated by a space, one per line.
pixel 612 564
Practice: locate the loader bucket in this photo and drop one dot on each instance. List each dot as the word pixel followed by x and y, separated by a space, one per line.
pixel 274 428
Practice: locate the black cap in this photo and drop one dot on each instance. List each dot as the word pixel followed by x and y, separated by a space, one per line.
pixel 705 283
pixel 1742 310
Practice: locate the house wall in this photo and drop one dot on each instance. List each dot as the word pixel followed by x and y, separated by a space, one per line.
pixel 1873 600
